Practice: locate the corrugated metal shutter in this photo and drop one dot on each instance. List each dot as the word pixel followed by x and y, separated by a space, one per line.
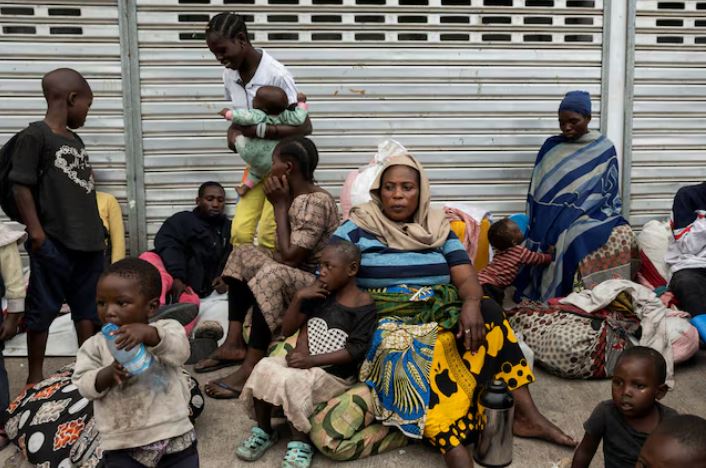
pixel 471 86
pixel 37 37
pixel 669 142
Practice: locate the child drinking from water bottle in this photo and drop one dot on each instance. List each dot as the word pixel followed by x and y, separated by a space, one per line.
pixel 141 424
pixel 336 322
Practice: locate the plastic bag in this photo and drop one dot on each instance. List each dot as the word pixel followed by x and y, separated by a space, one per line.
pixel 356 188
pixel 654 240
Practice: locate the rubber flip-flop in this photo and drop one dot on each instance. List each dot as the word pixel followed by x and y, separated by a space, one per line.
pixel 235 393
pixel 220 364
pixel 201 348
pixel 209 329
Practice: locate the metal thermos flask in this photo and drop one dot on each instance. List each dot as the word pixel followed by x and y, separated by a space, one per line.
pixel 494 446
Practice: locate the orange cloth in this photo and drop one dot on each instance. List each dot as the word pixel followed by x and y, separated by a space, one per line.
pixel 483 248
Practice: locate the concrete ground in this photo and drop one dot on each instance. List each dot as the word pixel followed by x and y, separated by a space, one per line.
pixel 566 402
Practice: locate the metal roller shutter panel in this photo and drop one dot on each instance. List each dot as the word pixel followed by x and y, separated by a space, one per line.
pixel 470 86
pixel 669 143
pixel 37 37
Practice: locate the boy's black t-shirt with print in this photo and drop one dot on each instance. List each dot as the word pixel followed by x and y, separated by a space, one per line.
pixel 332 326
pixel 58 168
pixel 621 443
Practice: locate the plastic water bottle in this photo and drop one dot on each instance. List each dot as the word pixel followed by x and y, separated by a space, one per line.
pixel 494 446
pixel 136 361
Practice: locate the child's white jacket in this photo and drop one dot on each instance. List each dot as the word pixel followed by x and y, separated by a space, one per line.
pixel 687 248
pixel 11 268
pixel 151 407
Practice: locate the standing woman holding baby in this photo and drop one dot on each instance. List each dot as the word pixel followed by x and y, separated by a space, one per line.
pixel 247 69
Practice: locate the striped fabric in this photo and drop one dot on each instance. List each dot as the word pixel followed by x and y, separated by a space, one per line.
pixel 382 266
pixel 502 271
pixel 574 204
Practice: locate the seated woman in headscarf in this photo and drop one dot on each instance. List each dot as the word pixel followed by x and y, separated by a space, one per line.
pixel 438 341
pixel 574 204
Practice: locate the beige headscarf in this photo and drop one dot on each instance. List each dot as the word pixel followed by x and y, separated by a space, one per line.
pixel 430 227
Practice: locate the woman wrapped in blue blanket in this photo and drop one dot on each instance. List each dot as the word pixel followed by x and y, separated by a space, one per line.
pixel 574 204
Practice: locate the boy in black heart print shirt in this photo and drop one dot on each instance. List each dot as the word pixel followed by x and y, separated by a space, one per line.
pixel 55 196
pixel 336 321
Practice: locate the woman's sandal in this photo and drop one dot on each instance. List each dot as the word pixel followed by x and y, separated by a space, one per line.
pixel 182 312
pixel 256 445
pixel 298 455
pixel 217 364
pixel 205 341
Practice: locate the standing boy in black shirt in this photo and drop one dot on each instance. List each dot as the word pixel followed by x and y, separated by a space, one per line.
pixel 55 196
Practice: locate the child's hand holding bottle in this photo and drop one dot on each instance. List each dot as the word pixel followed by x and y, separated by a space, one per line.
pixel 134 334
pixel 127 345
pixel 110 376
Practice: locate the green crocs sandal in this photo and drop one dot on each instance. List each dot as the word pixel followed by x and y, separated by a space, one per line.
pixel 256 445
pixel 298 455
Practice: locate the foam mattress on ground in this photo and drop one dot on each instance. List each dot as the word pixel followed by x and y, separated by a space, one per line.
pixel 62 340
pixel 62 335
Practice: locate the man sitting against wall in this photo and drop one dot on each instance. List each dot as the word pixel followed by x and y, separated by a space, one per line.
pixel 686 255
pixel 191 248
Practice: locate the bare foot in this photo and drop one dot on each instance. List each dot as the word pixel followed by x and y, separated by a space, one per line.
pixel 232 384
pixel 221 391
pixel 541 428
pixel 458 457
pixel 34 378
pixel 227 355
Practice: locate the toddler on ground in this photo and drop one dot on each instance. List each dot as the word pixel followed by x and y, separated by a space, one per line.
pixel 677 441
pixel 336 321
pixel 143 420
pixel 634 412
pixel 270 107
pixel 506 238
